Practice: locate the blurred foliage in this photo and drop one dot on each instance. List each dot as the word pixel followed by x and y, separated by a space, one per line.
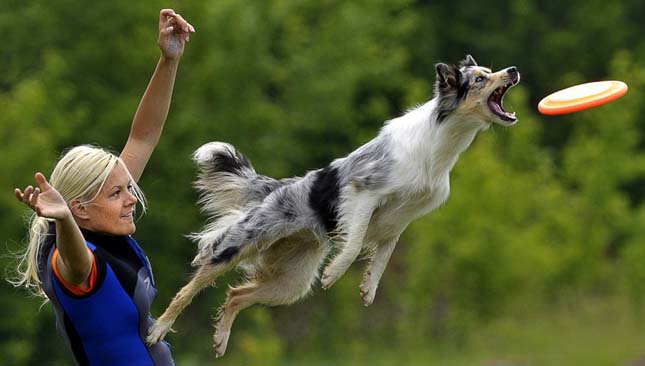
pixel 540 242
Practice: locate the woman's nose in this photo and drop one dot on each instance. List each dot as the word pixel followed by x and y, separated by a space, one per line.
pixel 132 199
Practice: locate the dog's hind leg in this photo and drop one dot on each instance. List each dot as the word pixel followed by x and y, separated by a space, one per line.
pixel 238 299
pixel 204 277
pixel 277 291
pixel 362 208
pixel 288 272
pixel 375 269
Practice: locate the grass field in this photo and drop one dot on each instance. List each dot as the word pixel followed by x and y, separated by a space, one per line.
pixel 598 332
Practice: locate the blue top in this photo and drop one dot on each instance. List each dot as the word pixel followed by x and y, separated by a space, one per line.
pixel 108 325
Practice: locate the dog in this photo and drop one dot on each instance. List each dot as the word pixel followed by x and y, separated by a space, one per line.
pixel 280 232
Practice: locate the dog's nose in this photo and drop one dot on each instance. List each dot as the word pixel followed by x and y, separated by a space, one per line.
pixel 513 73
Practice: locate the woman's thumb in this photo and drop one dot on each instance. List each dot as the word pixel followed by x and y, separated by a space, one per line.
pixel 42 182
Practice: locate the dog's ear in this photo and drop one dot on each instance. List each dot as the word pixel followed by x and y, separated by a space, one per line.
pixel 447 77
pixel 468 61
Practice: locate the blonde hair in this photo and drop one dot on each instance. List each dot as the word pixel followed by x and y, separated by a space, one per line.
pixel 78 175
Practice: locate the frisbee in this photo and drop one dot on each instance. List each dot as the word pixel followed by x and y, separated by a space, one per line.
pixel 582 96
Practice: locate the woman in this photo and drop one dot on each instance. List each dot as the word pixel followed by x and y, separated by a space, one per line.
pixel 80 254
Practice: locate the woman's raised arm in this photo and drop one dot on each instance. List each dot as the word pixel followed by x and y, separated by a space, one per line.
pixel 174 32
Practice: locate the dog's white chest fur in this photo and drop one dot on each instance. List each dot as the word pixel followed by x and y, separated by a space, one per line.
pixel 398 210
pixel 420 181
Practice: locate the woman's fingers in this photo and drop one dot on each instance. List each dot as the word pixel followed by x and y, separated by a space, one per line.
pixel 167 31
pixel 18 193
pixel 182 23
pixel 27 194
pixel 168 17
pixel 30 195
pixel 42 182
pixel 33 201
pixel 164 15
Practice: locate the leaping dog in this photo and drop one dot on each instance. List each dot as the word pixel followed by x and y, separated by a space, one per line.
pixel 279 232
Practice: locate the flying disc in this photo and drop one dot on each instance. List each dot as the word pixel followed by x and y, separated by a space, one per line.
pixel 582 96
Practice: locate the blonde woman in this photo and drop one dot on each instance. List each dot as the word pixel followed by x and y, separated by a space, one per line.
pixel 81 255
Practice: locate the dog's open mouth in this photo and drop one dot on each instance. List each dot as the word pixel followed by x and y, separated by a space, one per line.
pixel 495 101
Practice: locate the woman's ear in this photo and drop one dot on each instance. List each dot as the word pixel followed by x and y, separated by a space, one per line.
pixel 79 210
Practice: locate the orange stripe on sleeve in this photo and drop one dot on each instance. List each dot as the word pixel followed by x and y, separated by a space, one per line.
pixel 76 289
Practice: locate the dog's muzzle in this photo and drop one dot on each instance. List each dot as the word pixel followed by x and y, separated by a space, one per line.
pixel 495 101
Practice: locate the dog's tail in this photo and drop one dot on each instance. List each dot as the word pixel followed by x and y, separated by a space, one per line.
pixel 224 178
pixel 228 185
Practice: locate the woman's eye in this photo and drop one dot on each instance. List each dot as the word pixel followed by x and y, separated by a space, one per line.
pixel 116 194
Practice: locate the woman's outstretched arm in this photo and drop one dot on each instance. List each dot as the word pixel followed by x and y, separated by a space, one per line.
pixel 174 33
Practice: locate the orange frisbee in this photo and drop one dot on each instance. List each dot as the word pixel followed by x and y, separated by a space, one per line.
pixel 581 97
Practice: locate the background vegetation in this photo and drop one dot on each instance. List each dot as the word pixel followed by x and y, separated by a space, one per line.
pixel 538 258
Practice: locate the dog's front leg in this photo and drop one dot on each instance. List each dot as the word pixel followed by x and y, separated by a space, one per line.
pixel 375 269
pixel 359 216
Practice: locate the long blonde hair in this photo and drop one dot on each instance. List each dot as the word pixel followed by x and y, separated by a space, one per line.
pixel 78 175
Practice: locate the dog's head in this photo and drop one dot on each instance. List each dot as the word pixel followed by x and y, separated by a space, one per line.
pixel 472 91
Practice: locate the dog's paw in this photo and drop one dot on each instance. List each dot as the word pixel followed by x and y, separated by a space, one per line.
pixel 157 332
pixel 220 343
pixel 368 293
pixel 328 278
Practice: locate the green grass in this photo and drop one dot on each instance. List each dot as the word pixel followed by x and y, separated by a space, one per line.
pixel 585 332
pixel 590 332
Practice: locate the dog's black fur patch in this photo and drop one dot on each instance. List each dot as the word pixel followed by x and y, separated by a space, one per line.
pixel 462 91
pixel 451 87
pixel 229 162
pixel 323 197
pixel 226 255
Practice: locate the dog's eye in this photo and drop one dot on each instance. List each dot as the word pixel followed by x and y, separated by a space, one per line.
pixel 479 79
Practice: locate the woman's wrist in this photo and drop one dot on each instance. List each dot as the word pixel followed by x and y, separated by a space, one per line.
pixel 65 217
pixel 173 61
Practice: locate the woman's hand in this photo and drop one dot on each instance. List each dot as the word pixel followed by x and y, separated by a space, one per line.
pixel 45 200
pixel 75 260
pixel 174 32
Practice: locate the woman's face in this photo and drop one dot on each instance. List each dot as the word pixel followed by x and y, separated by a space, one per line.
pixel 112 211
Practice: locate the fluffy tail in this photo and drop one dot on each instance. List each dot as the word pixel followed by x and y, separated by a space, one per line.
pixel 228 185
pixel 224 178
